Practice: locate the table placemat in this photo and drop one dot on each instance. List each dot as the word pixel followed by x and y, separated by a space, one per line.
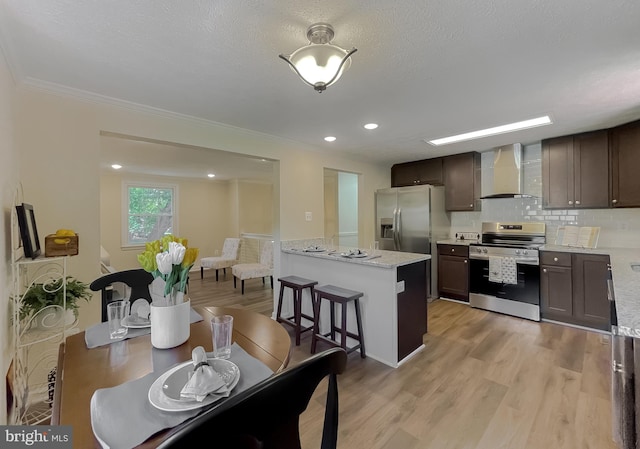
pixel 98 334
pixel 123 417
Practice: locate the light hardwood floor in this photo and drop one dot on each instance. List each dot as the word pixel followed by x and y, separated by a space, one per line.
pixel 483 381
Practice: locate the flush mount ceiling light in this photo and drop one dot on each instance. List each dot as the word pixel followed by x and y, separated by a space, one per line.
pixel 116 166
pixel 330 139
pixel 320 63
pixel 539 121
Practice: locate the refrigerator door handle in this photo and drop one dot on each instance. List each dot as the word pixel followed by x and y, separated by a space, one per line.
pixel 399 233
pixel 395 229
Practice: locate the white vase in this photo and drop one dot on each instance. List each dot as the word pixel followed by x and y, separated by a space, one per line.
pixel 170 324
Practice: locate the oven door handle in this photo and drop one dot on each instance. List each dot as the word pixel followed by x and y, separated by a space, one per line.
pixel 534 262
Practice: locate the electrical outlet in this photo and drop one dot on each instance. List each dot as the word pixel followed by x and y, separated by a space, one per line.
pixel 400 287
pixel 307 216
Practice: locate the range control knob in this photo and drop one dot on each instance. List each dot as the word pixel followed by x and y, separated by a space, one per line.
pixel 524 252
pixel 517 252
pixel 478 250
pixel 484 250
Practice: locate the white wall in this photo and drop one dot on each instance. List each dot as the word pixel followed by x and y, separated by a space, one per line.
pixel 60 137
pixel 255 202
pixel 9 168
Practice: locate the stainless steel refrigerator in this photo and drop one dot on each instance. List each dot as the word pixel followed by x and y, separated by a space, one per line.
pixel 412 219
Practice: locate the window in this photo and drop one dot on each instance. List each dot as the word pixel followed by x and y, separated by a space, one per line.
pixel 150 212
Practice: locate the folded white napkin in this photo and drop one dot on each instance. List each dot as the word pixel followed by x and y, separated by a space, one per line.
pixel 204 380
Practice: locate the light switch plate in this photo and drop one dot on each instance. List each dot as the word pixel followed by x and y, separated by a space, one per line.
pixel 307 216
pixel 400 287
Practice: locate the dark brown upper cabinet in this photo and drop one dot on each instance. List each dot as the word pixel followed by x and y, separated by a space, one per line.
pixel 462 174
pixel 575 171
pixel 426 171
pixel 625 165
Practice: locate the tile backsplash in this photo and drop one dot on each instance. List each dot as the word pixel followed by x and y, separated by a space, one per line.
pixel 618 227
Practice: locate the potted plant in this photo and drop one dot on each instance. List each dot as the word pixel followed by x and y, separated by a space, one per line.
pixel 51 293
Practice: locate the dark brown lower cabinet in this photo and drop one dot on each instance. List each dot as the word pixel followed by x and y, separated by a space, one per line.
pixel 412 308
pixel 592 308
pixel 556 293
pixel 453 272
pixel 573 289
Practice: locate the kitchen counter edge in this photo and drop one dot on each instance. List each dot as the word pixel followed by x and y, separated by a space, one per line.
pixel 386 259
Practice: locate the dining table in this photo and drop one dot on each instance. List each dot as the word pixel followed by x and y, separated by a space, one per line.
pixel 82 370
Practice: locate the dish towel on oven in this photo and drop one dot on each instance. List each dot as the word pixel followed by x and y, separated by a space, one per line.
pixel 495 269
pixel 509 270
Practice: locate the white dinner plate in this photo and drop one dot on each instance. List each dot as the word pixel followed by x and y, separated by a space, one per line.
pixel 161 401
pixel 172 386
pixel 355 256
pixel 133 322
pixel 140 308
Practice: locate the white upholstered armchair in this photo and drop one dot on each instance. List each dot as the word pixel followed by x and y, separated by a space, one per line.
pixel 229 257
pixel 262 269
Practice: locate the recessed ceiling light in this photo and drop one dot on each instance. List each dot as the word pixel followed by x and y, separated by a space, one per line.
pixel 116 166
pixel 330 138
pixel 371 125
pixel 539 121
pixel 211 175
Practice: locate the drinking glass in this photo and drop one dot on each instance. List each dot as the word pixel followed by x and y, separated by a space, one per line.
pixel 374 248
pixel 221 331
pixel 116 312
pixel 328 244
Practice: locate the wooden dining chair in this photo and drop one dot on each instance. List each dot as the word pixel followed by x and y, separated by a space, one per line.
pixel 137 280
pixel 267 415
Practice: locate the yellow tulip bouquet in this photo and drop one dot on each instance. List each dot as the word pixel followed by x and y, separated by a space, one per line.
pixel 170 259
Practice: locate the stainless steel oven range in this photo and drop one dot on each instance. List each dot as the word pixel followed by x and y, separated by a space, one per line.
pixel 504 269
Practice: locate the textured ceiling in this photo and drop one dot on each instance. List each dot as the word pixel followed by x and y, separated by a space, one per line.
pixel 423 69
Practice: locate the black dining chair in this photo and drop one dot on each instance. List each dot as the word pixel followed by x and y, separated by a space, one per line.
pixel 267 415
pixel 138 281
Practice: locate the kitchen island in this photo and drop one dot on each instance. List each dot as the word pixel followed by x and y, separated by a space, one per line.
pixel 394 305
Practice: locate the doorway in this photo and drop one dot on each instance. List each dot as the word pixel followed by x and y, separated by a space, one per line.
pixel 341 207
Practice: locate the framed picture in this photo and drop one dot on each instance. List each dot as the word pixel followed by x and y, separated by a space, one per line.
pixel 28 230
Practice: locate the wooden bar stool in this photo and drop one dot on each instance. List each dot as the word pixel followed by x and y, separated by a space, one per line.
pixel 340 296
pixel 297 285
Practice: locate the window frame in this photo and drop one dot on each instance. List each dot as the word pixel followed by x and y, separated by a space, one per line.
pixel 126 185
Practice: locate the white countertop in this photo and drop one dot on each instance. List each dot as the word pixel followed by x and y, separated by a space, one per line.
pixel 465 242
pixel 381 258
pixel 576 249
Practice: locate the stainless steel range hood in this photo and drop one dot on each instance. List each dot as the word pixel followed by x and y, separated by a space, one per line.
pixel 508 179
